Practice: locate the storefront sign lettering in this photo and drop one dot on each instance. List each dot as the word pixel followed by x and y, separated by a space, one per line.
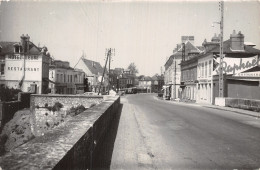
pixel 21 57
pixel 242 65
pixel 21 68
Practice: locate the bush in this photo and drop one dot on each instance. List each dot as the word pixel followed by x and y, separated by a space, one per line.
pixel 7 94
pixel 57 106
pixel 77 110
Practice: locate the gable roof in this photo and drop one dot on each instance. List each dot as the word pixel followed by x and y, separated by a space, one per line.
pixel 189 47
pixel 93 66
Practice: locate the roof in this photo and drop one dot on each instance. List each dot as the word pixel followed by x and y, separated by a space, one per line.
pixel 189 48
pixel 227 49
pixel 93 66
pixel 146 78
pixel 8 47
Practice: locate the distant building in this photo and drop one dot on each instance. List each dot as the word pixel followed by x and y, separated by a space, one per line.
pixel 94 71
pixel 146 83
pixel 64 79
pixel 121 79
pixel 24 66
pixel 158 82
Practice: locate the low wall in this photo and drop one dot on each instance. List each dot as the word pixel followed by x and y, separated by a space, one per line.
pixel 68 147
pixel 43 120
pixel 67 101
pixel 8 109
pixel 247 104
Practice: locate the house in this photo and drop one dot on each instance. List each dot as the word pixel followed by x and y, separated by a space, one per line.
pixel 158 82
pixel 121 78
pixel 94 72
pixel 172 76
pixel 189 77
pixel 64 79
pixel 145 84
pixel 24 66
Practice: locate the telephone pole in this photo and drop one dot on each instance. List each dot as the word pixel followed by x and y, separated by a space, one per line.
pixel 221 80
pixel 108 55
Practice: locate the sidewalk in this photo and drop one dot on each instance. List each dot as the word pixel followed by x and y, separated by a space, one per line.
pixel 235 110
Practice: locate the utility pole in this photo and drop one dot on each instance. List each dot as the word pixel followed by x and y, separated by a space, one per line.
pixel 109 72
pixel 221 80
pixel 108 54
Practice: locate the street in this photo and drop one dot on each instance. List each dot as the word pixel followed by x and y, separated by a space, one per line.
pixel 158 134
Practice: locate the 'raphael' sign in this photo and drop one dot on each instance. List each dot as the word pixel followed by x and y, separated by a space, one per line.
pixel 237 65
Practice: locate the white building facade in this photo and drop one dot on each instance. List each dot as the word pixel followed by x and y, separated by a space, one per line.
pixel 24 66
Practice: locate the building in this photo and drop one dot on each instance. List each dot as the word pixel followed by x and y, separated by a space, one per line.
pixel 172 76
pixel 158 82
pixel 24 66
pixel 189 77
pixel 146 84
pixel 240 67
pixel 121 79
pixel 94 72
pixel 64 79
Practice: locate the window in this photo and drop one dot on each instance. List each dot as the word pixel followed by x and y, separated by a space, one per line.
pixel 64 78
pixel 57 77
pixel 202 70
pixel 16 49
pixel 210 68
pixel 206 68
pixel 199 70
pixel 2 69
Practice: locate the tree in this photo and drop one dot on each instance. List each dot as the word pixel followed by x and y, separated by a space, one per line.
pixel 132 68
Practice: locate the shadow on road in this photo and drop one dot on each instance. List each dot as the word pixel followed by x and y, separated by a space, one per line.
pixel 102 157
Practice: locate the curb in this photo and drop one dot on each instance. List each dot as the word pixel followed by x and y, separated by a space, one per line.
pixel 234 110
pixel 240 111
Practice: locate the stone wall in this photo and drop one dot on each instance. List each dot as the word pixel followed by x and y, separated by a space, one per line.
pixel 43 120
pixel 247 104
pixel 68 147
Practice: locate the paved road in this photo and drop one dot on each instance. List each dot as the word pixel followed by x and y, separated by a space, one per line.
pixel 157 134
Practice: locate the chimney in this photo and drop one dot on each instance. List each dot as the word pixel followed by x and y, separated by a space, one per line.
pixel 237 41
pixel 187 38
pixel 25 43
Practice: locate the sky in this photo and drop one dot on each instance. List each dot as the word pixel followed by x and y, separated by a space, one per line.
pixel 143 32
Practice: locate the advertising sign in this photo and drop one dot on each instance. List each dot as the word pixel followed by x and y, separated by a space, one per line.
pixel 234 66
